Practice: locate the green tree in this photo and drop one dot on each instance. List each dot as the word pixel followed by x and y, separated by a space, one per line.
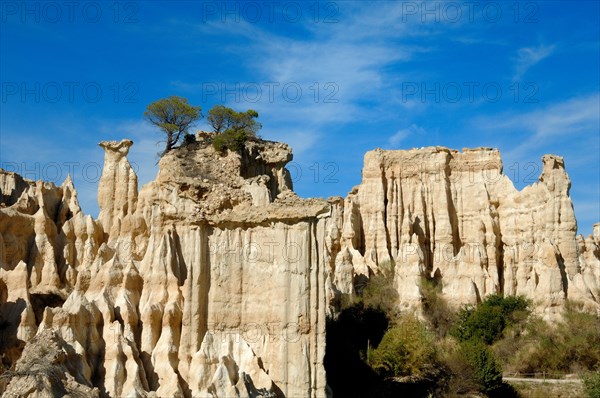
pixel 232 128
pixel 220 118
pixel 174 116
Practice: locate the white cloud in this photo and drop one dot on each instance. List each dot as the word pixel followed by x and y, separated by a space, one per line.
pixel 396 139
pixel 559 121
pixel 352 62
pixel 568 128
pixel 530 56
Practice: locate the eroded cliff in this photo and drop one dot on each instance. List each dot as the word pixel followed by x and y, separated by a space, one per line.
pixel 215 279
pixel 455 218
pixel 208 282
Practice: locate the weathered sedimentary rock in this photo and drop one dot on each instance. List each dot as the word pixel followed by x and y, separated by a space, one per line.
pixel 210 282
pixel 12 187
pixel 117 190
pixel 454 217
pixel 46 370
pixel 215 280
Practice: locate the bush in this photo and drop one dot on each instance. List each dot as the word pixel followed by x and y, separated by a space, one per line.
pixel 572 345
pixel 232 128
pixel 514 308
pixel 380 293
pixel 485 324
pixel 591 384
pixel 189 139
pixel 470 368
pixel 435 309
pixel 230 139
pixel 485 366
pixel 488 321
pixel 461 379
pixel 407 349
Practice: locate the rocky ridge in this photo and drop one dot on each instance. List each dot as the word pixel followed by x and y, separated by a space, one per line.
pixel 215 279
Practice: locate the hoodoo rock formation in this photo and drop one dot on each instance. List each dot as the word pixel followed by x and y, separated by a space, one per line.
pixel 215 279
pixel 454 217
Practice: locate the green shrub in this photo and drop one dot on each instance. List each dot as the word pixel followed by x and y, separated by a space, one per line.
pixel 581 335
pixel 407 349
pixel 189 139
pixel 485 324
pixel 484 365
pixel 230 139
pixel 514 308
pixel 232 128
pixel 591 384
pixel 488 321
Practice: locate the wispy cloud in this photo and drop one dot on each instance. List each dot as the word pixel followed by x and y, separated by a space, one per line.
pixel 396 139
pixel 567 119
pixel 341 67
pixel 568 128
pixel 527 57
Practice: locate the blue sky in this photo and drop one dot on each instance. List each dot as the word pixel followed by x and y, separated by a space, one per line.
pixel 333 79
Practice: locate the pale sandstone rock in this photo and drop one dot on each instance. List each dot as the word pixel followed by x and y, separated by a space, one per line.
pixel 12 187
pixel 117 190
pixel 216 279
pixel 478 235
pixel 408 272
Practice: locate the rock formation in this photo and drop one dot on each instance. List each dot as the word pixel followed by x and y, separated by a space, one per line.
pixel 215 279
pixel 209 282
pixel 455 218
pixel 117 190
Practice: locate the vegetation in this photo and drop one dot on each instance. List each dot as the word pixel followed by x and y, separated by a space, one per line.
pixel 174 116
pixel 488 321
pixel 189 139
pixel 232 128
pixel 571 346
pixel 485 366
pixel 447 353
pixel 591 383
pixel 435 309
pixel 407 349
pixel 475 329
pixel 379 292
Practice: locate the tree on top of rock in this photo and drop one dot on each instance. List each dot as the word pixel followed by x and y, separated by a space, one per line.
pixel 174 116
pixel 232 128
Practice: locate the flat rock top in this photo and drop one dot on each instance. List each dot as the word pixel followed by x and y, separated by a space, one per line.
pixel 303 209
